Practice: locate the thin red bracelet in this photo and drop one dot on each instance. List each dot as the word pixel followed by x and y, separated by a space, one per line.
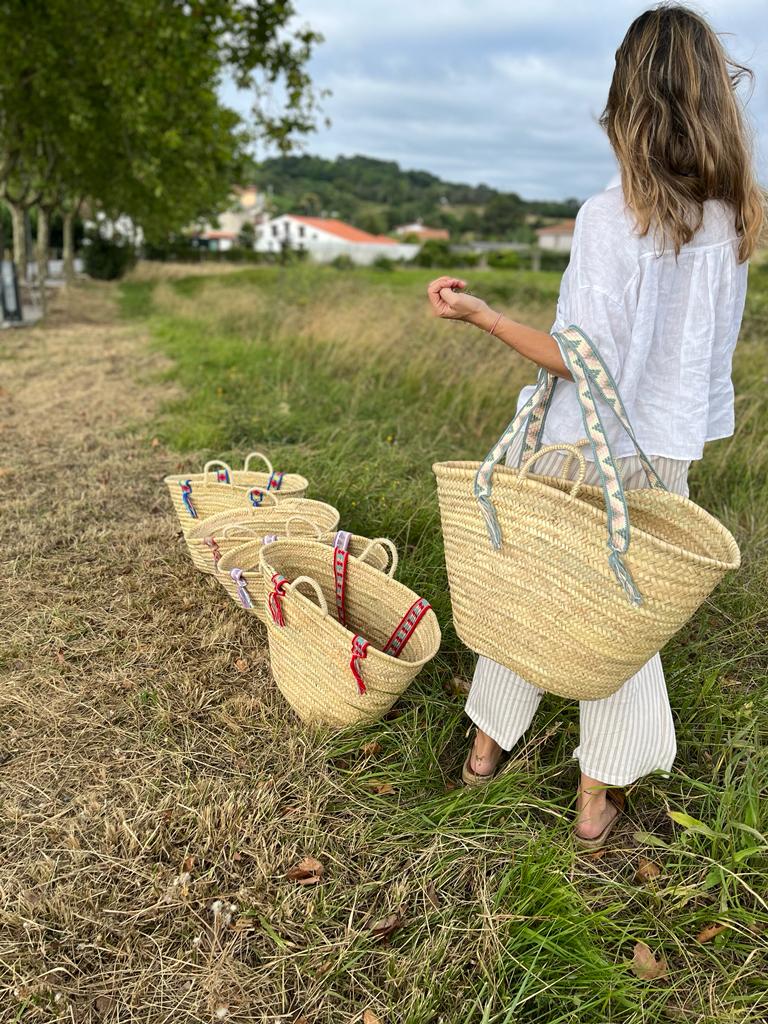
pixel 495 324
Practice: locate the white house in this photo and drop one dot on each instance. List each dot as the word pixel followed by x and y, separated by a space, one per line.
pixel 325 238
pixel 557 237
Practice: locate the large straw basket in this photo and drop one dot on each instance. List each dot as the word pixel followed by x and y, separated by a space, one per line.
pixel 574 587
pixel 211 538
pixel 338 674
pixel 240 569
pixel 196 495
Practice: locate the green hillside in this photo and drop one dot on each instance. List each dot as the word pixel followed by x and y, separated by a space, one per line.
pixel 377 195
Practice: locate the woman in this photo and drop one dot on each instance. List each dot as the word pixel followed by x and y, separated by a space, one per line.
pixel 657 279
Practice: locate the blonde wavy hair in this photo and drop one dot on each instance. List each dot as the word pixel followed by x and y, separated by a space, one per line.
pixel 678 129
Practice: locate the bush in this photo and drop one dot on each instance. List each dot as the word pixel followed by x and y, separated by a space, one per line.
pixel 434 253
pixel 506 259
pixel 107 259
pixel 342 262
pixel 383 263
pixel 554 260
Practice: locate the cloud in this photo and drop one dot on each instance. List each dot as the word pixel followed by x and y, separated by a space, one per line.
pixel 494 91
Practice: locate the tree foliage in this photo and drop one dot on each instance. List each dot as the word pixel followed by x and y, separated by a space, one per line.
pixel 117 101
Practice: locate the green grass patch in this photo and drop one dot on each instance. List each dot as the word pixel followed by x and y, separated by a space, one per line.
pixel 344 377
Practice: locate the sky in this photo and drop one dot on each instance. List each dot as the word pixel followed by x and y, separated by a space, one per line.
pixel 505 92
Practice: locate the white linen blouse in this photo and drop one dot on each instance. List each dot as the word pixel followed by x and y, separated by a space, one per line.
pixel 665 327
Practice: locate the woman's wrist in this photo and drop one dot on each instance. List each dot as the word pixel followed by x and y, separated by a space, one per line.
pixel 485 318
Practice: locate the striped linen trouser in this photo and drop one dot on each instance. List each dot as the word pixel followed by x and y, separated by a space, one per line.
pixel 622 737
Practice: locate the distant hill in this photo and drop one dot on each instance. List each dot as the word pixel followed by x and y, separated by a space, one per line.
pixel 377 195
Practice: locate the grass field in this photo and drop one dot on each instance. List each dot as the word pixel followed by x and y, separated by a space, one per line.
pixel 494 919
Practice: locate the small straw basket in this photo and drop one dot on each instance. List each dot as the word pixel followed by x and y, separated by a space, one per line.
pixel 341 660
pixel 211 538
pixel 240 569
pixel 572 586
pixel 217 488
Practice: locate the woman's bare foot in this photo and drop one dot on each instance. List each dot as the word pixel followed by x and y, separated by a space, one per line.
pixel 595 811
pixel 485 754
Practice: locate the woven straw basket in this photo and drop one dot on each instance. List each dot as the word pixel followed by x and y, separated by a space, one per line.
pixel 211 538
pixel 533 584
pixel 338 674
pixel 240 569
pixel 196 495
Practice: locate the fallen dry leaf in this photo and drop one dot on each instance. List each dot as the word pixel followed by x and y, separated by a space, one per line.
pixel 708 933
pixel 155 442
pixel 188 864
pixel 647 870
pixel 645 965
pixel 369 1017
pixel 372 748
pixel 432 896
pixel 307 872
pixel 382 788
pixel 241 665
pixel 387 926
pixel 103 1004
pixel 596 854
pixel 60 657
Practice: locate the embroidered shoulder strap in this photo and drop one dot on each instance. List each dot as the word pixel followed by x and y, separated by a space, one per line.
pixel 404 630
pixel 186 497
pixel 340 560
pixel 242 587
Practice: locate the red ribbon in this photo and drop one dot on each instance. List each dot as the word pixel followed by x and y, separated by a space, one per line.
pixel 359 651
pixel 275 607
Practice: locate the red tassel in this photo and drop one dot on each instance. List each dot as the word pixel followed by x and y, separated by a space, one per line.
pixel 273 600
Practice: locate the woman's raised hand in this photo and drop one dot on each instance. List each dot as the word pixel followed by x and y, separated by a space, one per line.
pixel 452 304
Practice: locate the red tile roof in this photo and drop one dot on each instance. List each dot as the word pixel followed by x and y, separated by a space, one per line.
pixel 342 230
pixel 565 227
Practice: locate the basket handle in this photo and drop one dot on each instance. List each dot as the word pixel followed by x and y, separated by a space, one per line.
pixel 258 455
pixel 315 586
pixel 389 547
pixel 217 462
pixel 301 519
pixel 249 530
pixel 573 452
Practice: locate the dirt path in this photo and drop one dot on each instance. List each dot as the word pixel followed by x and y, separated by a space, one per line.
pixel 131 702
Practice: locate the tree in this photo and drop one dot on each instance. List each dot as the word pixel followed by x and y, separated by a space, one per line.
pixel 117 101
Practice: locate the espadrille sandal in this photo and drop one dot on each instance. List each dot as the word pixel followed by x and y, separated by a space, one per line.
pixel 473 778
pixel 618 798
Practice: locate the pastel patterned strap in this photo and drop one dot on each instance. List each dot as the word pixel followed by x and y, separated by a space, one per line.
pixel 274 599
pixel 340 560
pixel 222 476
pixel 255 496
pixel 242 587
pixel 186 497
pixel 593 380
pixel 275 481
pixel 359 651
pixel 215 549
pixel 601 382
pixel 405 628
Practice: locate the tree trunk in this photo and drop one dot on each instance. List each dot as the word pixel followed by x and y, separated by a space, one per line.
pixel 41 254
pixel 68 252
pixel 19 241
